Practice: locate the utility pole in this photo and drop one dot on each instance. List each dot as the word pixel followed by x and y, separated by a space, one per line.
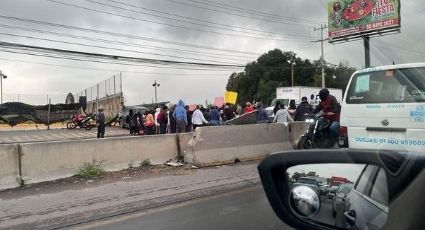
pixel 2 76
pixel 156 85
pixel 322 57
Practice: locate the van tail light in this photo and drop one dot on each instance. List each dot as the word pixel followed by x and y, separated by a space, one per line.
pixel 343 131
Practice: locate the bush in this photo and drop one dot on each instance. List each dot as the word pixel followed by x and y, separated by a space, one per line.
pixel 91 170
pixel 22 181
pixel 146 163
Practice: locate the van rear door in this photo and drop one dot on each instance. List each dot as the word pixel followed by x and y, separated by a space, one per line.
pixel 385 109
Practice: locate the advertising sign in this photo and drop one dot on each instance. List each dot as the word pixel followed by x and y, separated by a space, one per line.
pixel 352 17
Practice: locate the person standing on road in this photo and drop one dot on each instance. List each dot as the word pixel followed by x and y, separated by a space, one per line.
pixel 292 108
pixel 100 120
pixel 262 116
pixel 131 121
pixel 214 116
pixel 163 120
pixel 189 119
pixel 198 118
pixel 157 125
pixel 249 108
pixel 150 123
pixel 180 115
pixel 303 109
pixel 172 120
pixel 282 116
pixel 276 108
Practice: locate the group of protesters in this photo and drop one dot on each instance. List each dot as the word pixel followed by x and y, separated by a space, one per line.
pixel 179 118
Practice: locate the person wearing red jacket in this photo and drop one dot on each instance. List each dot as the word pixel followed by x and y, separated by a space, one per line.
pixel 330 109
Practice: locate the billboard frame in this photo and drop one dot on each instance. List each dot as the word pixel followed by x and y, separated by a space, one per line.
pixel 369 33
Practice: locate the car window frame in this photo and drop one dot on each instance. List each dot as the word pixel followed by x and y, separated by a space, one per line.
pixel 368 188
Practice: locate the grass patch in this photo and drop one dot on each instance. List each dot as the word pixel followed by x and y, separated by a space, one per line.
pixel 146 163
pixel 91 170
pixel 22 181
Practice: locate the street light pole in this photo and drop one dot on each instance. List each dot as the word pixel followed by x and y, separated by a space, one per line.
pixel 2 76
pixel 156 85
pixel 292 73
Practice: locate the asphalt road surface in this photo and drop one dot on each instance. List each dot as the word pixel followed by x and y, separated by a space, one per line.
pixel 247 209
pixel 21 136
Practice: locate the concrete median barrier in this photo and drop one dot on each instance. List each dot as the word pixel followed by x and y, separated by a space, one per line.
pixel 296 130
pixel 227 144
pixel 53 160
pixel 9 166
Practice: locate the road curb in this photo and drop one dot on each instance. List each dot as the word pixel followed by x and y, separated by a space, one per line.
pixel 128 208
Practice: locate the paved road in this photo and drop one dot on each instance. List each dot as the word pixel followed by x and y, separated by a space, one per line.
pixel 20 136
pixel 246 209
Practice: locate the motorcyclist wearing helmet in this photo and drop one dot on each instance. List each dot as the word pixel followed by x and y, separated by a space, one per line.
pixel 329 105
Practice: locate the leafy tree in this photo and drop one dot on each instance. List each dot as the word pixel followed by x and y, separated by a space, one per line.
pixel 273 69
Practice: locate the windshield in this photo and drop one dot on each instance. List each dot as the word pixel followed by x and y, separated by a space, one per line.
pixel 388 86
pixel 282 101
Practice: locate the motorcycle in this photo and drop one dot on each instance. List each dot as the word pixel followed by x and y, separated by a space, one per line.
pixel 81 121
pixel 318 134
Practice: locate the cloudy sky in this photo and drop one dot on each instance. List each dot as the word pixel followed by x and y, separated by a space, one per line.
pixel 215 31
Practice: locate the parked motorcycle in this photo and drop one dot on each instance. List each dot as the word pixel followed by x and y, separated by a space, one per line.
pixel 318 134
pixel 81 121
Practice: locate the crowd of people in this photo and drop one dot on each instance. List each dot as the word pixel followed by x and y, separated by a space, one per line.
pixel 179 118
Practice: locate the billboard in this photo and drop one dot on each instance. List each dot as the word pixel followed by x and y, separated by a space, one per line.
pixel 348 18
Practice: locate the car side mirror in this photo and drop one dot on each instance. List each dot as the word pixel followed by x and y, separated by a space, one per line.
pixel 297 201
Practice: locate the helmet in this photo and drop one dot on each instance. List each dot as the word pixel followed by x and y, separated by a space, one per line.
pixel 323 94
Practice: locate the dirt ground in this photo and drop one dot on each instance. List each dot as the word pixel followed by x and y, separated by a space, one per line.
pixel 75 182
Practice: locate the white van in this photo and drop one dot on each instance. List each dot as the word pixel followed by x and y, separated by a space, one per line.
pixel 384 108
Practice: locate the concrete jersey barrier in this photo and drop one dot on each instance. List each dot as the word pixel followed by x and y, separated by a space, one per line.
pixel 54 160
pixel 9 166
pixel 296 130
pixel 226 144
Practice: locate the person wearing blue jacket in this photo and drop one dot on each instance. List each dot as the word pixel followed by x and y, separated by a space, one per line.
pixel 180 116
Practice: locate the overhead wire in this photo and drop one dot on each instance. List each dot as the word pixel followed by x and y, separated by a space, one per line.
pixel 177 26
pixel 248 11
pixel 113 57
pixel 108 70
pixel 109 62
pixel 244 16
pixel 103 32
pixel 192 52
pixel 125 60
pixel 226 26
pixel 110 48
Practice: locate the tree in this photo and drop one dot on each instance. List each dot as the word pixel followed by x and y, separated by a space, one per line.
pixel 272 69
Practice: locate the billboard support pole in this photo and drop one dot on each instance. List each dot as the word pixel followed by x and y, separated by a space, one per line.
pixel 366 40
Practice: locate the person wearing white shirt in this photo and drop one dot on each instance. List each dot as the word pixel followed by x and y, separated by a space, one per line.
pixel 198 118
pixel 282 116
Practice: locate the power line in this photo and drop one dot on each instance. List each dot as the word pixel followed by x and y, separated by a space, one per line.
pixel 113 57
pixel 192 52
pixel 249 30
pixel 104 47
pixel 240 15
pixel 105 70
pixel 167 24
pixel 123 35
pixel 109 62
pixel 248 11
